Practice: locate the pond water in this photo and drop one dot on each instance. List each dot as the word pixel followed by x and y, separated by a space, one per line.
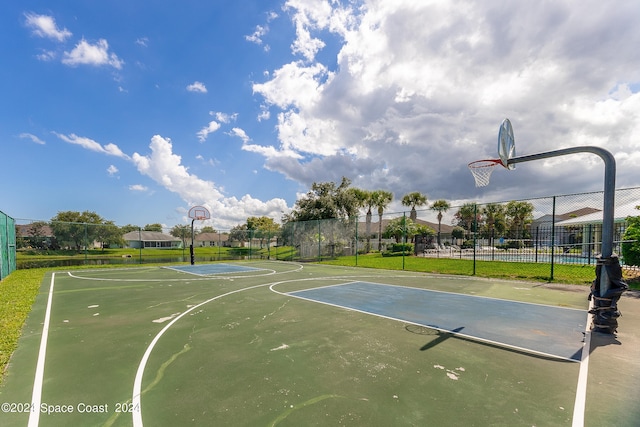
pixel 24 264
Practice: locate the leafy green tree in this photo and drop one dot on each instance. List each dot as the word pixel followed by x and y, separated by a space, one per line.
pixel 262 228
pixel 183 232
pixel 467 216
pixel 403 226
pixel 519 216
pixel 457 232
pixel 153 227
pixel 412 200
pixel 128 228
pixel 494 220
pixel 109 234
pixel 398 227
pixel 325 200
pixel 440 206
pixel 239 233
pixel 207 229
pixel 35 237
pixel 72 228
pixel 631 244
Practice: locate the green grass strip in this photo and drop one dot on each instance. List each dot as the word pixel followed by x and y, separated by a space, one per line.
pixel 18 291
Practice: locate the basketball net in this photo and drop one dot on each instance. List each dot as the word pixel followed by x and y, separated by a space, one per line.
pixel 481 171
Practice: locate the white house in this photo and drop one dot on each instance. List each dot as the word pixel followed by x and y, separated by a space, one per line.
pixel 151 239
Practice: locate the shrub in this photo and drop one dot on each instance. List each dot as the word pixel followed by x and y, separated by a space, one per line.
pixel 515 244
pixel 402 247
pixel 631 246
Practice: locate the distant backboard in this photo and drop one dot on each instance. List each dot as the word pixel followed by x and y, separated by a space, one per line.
pixel 199 213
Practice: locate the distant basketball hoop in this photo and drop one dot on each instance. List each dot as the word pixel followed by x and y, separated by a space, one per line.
pixel 196 213
pixel 199 213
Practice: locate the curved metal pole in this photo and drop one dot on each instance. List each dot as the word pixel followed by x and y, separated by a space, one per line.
pixel 609 187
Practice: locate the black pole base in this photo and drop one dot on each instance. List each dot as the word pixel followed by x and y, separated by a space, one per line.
pixel 193 258
pixel 605 297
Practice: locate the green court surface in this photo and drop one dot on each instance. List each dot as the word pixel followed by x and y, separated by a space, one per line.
pixel 283 344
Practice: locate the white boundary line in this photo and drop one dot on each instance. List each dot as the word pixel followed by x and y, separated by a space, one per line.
pixel 137 384
pixel 36 396
pixel 581 392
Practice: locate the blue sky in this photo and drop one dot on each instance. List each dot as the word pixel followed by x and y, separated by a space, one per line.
pixel 139 110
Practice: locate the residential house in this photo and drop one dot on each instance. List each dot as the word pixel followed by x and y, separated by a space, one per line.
pixel 151 239
pixel 211 240
pixel 590 225
pixel 543 231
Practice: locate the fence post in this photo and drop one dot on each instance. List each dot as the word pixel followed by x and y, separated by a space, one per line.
pixel 357 223
pixel 474 231
pixel 537 242
pixel 319 238
pixel 404 235
pixel 86 242
pixel 553 236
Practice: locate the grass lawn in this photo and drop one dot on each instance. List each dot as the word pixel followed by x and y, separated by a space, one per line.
pixel 563 273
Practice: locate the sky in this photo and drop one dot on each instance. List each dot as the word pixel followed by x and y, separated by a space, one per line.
pixel 139 110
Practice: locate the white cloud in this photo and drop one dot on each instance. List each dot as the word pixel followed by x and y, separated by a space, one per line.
pixel 294 84
pixel 142 41
pixel 45 26
pixel 257 35
pixel 138 187
pixel 97 54
pixel 32 138
pixel 166 169
pixel 46 55
pixel 197 87
pixel 224 117
pixel 90 144
pixel 240 134
pixel 205 131
pixel 418 90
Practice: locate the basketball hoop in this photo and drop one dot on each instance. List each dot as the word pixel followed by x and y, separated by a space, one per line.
pixel 481 170
pixel 199 213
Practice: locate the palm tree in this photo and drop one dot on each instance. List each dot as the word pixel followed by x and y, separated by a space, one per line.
pixel 360 200
pixel 414 199
pixel 381 199
pixel 368 203
pixel 466 216
pixel 494 219
pixel 440 206
pixel 520 215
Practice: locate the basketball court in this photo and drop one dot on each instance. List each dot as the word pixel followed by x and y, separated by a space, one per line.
pixel 286 344
pixel 275 343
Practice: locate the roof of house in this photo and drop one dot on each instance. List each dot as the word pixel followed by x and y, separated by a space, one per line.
pixel 29 230
pixel 211 237
pixel 149 236
pixel 620 214
pixel 568 215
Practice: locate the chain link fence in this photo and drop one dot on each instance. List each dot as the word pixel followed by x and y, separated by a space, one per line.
pixel 563 229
